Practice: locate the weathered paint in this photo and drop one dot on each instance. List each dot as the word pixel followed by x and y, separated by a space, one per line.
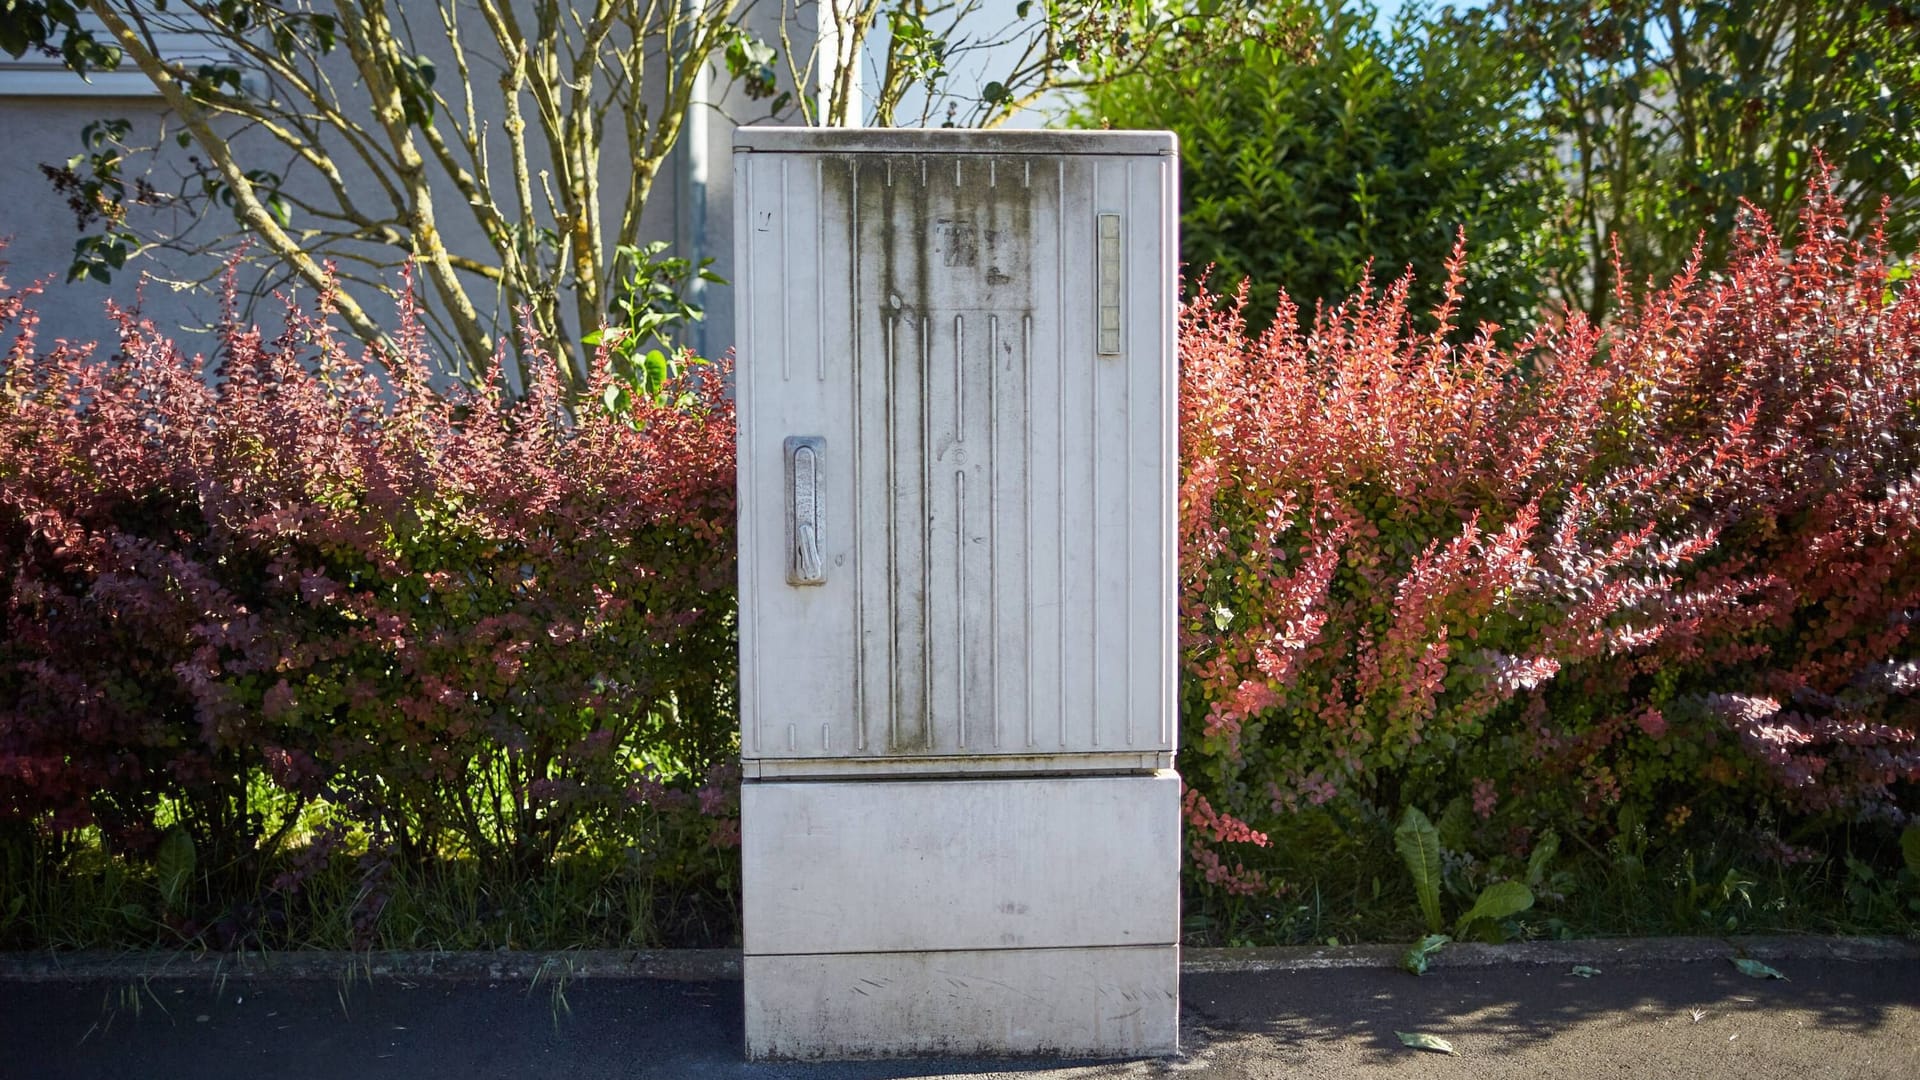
pixel 1050 862
pixel 1115 1002
pixel 998 552
pixel 960 824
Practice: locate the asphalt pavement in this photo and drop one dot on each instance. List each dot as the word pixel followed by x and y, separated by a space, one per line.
pixel 1630 1010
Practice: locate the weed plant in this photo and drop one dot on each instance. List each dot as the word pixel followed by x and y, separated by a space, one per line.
pixel 1346 884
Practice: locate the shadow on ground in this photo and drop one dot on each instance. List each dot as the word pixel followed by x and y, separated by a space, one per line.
pixel 1684 1019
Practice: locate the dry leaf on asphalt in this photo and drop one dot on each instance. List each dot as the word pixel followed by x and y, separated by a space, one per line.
pixel 1422 1041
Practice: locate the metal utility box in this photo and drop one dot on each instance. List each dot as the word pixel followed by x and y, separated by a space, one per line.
pixel 957 463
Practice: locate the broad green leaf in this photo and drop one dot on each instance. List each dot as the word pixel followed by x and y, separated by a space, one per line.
pixel 1910 847
pixel 1419 1040
pixel 1496 902
pixel 1455 824
pixel 1419 845
pixel 1540 859
pixel 656 368
pixel 1755 969
pixel 1422 953
pixel 173 867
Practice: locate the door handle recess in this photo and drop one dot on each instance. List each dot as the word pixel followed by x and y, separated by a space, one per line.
pixel 806 510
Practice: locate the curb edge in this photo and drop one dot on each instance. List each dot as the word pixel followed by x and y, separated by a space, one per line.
pixel 724 964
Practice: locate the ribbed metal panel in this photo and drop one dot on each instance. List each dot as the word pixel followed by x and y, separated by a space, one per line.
pixel 997 494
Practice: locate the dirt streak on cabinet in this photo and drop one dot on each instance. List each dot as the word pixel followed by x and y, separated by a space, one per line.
pixel 956 385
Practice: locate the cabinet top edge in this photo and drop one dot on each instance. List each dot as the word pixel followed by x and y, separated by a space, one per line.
pixel 799 140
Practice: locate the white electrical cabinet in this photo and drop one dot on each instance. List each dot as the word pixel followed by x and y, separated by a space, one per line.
pixel 956 391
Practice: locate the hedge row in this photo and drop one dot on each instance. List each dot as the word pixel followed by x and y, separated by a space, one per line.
pixel 1632 574
pixel 1601 577
pixel 241 585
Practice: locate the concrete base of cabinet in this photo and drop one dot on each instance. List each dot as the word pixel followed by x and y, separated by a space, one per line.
pixel 962 916
pixel 1110 1002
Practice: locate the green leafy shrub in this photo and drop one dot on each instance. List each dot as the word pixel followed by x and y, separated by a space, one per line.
pixel 1674 114
pixel 1303 175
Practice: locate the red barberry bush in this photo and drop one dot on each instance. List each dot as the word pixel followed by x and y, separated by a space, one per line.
pixel 240 583
pixel 1600 575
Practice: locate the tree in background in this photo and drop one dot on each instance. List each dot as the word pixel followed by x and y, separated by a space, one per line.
pixel 343 139
pixel 1673 113
pixel 933 48
pixel 1555 131
pixel 329 137
pixel 1302 175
